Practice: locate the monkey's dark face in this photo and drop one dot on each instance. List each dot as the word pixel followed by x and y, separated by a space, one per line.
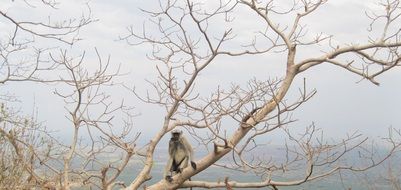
pixel 175 136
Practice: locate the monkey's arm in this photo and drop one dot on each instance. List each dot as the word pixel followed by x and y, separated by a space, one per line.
pixel 189 150
pixel 167 169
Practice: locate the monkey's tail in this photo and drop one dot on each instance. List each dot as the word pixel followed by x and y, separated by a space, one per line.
pixel 189 179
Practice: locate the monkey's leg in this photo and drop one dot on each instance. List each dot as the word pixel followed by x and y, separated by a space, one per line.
pixel 183 164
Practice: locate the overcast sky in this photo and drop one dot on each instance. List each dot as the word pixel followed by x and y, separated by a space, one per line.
pixel 341 105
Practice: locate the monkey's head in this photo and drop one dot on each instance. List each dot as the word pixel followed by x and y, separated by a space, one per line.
pixel 175 135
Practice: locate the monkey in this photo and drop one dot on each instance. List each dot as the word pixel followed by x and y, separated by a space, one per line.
pixel 180 153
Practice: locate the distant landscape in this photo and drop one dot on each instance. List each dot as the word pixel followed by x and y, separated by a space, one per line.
pixel 358 181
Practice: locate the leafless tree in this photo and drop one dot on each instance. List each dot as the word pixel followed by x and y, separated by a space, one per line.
pixel 19 137
pixel 22 57
pixel 192 35
pixel 45 161
pixel 31 155
pixel 92 110
pixel 187 37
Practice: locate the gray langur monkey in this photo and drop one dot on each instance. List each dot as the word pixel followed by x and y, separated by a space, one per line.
pixel 180 153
